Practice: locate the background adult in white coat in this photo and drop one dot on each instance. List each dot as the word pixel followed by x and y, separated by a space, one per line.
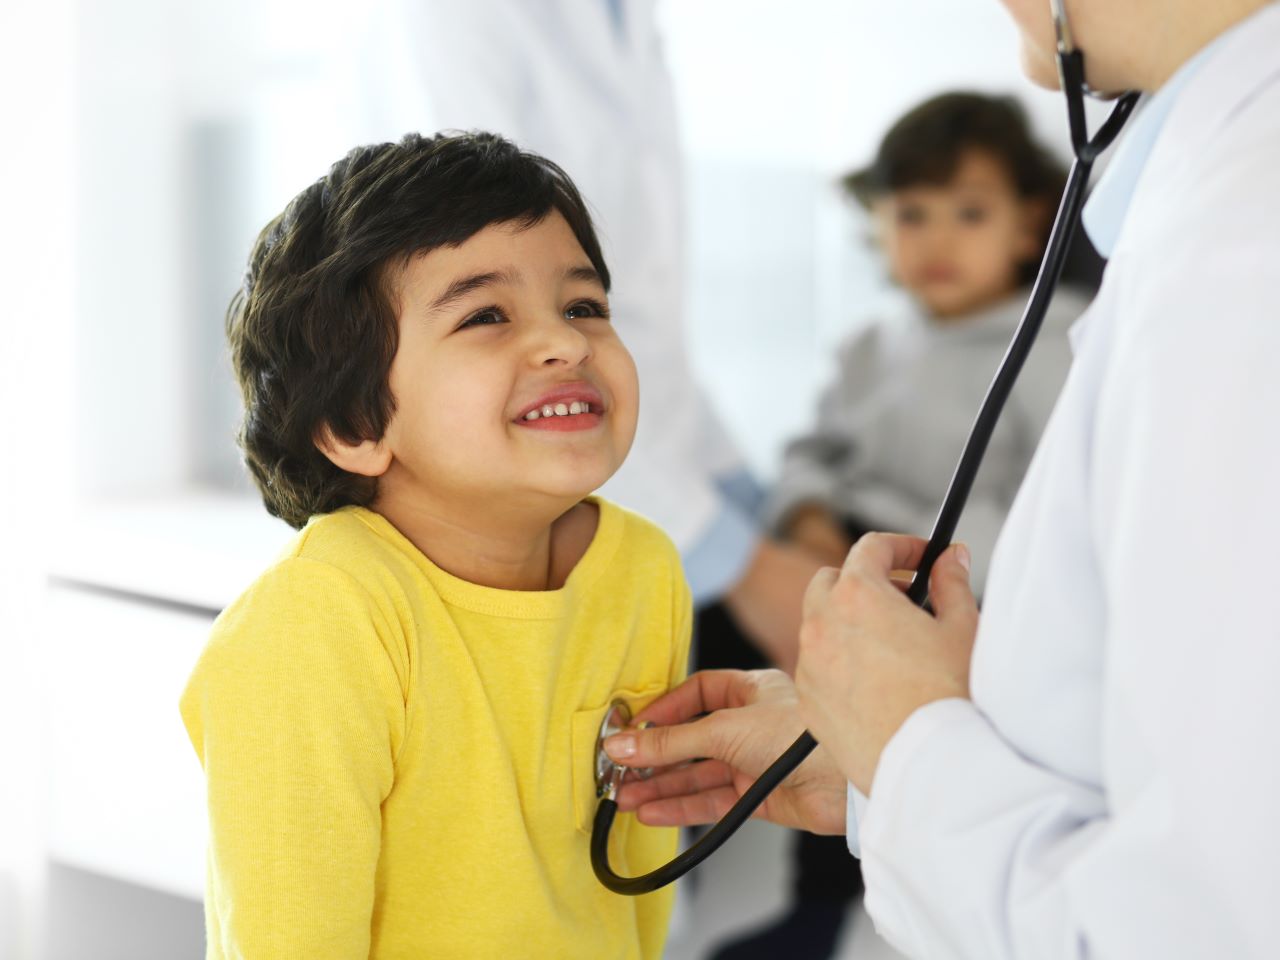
pixel 1100 778
pixel 585 83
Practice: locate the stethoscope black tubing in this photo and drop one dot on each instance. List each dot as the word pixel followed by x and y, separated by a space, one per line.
pixel 709 843
pixel 1064 226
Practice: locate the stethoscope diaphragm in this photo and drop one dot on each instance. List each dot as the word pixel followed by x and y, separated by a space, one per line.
pixel 609 775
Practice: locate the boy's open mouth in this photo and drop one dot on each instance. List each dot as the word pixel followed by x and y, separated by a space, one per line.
pixel 576 406
pixel 571 409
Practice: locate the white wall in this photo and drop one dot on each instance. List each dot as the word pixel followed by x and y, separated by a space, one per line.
pixel 37 270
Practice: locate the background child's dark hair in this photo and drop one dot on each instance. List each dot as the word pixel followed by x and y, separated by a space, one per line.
pixel 926 145
pixel 313 331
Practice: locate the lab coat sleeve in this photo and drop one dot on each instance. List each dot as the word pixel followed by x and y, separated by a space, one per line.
pixel 972 850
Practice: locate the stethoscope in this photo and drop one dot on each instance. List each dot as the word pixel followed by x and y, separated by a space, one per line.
pixel 609 775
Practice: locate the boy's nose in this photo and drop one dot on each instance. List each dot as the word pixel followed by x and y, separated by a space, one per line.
pixel 559 342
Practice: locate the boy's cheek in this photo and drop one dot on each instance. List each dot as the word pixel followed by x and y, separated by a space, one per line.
pixel 625 387
pixel 631 391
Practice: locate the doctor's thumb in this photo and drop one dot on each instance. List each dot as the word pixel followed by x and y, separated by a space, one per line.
pixel 949 591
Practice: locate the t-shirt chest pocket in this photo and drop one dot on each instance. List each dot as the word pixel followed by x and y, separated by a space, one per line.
pixel 585 729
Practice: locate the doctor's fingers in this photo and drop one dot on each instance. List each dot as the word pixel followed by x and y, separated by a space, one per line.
pixel 952 598
pixel 748 738
pixel 683 794
pixel 710 690
pixel 813 798
pixel 876 556
pixel 819 589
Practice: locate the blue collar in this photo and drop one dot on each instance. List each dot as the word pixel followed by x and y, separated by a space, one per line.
pixel 1105 212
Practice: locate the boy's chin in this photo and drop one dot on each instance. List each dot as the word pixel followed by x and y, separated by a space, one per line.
pixel 947 307
pixel 570 490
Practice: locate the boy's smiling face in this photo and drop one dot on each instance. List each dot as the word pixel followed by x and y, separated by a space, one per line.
pixel 959 246
pixel 512 321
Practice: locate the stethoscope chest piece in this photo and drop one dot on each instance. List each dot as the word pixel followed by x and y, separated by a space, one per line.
pixel 609 774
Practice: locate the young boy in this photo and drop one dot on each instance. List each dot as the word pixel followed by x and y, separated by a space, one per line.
pixel 398 719
pixel 962 198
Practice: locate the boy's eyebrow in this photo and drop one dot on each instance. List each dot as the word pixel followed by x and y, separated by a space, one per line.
pixel 583 273
pixel 465 285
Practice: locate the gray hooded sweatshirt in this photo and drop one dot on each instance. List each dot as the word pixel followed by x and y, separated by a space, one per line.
pixel 891 428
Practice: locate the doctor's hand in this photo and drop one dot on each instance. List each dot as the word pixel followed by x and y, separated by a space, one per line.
pixel 869 657
pixel 752 717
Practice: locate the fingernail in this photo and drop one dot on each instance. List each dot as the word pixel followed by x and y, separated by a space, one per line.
pixel 620 746
pixel 962 554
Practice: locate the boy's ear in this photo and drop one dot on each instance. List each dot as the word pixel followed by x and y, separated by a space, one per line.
pixel 368 458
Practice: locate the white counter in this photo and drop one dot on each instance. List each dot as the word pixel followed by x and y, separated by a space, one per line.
pixel 129 605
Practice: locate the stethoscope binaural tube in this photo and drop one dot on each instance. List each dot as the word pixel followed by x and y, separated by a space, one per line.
pixel 1071 70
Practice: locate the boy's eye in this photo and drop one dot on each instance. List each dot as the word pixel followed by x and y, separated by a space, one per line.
pixel 586 308
pixel 484 318
pixel 910 215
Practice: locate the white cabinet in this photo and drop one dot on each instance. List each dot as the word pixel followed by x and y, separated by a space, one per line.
pixel 127 792
pixel 128 613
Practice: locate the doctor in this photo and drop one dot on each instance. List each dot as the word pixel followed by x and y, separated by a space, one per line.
pixel 1099 775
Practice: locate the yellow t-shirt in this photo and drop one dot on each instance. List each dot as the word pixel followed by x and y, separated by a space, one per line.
pixel 401 763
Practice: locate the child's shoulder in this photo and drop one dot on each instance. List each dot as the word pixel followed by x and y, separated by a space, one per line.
pixel 636 533
pixel 641 557
pixel 316 617
pixel 338 560
pixel 346 538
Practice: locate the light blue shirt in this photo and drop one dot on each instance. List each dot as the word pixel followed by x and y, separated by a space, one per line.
pixel 720 557
pixel 1105 211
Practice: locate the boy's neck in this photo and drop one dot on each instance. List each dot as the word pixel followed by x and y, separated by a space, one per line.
pixel 507 549
pixel 971 312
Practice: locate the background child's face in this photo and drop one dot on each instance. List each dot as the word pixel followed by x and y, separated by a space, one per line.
pixel 958 247
pixel 488 330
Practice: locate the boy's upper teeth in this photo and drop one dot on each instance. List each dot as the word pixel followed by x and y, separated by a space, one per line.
pixel 573 408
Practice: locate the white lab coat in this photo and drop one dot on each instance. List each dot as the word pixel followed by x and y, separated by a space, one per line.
pixel 557 77
pixel 1114 788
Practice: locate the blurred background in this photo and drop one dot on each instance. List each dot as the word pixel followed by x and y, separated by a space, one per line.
pixel 146 143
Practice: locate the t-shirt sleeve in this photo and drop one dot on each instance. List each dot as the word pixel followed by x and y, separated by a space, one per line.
pixel 296 710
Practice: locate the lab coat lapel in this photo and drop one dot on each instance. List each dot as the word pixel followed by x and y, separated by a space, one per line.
pixel 1244 64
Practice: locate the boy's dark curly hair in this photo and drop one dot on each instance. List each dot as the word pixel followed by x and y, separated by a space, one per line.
pixel 313 330
pixel 927 144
